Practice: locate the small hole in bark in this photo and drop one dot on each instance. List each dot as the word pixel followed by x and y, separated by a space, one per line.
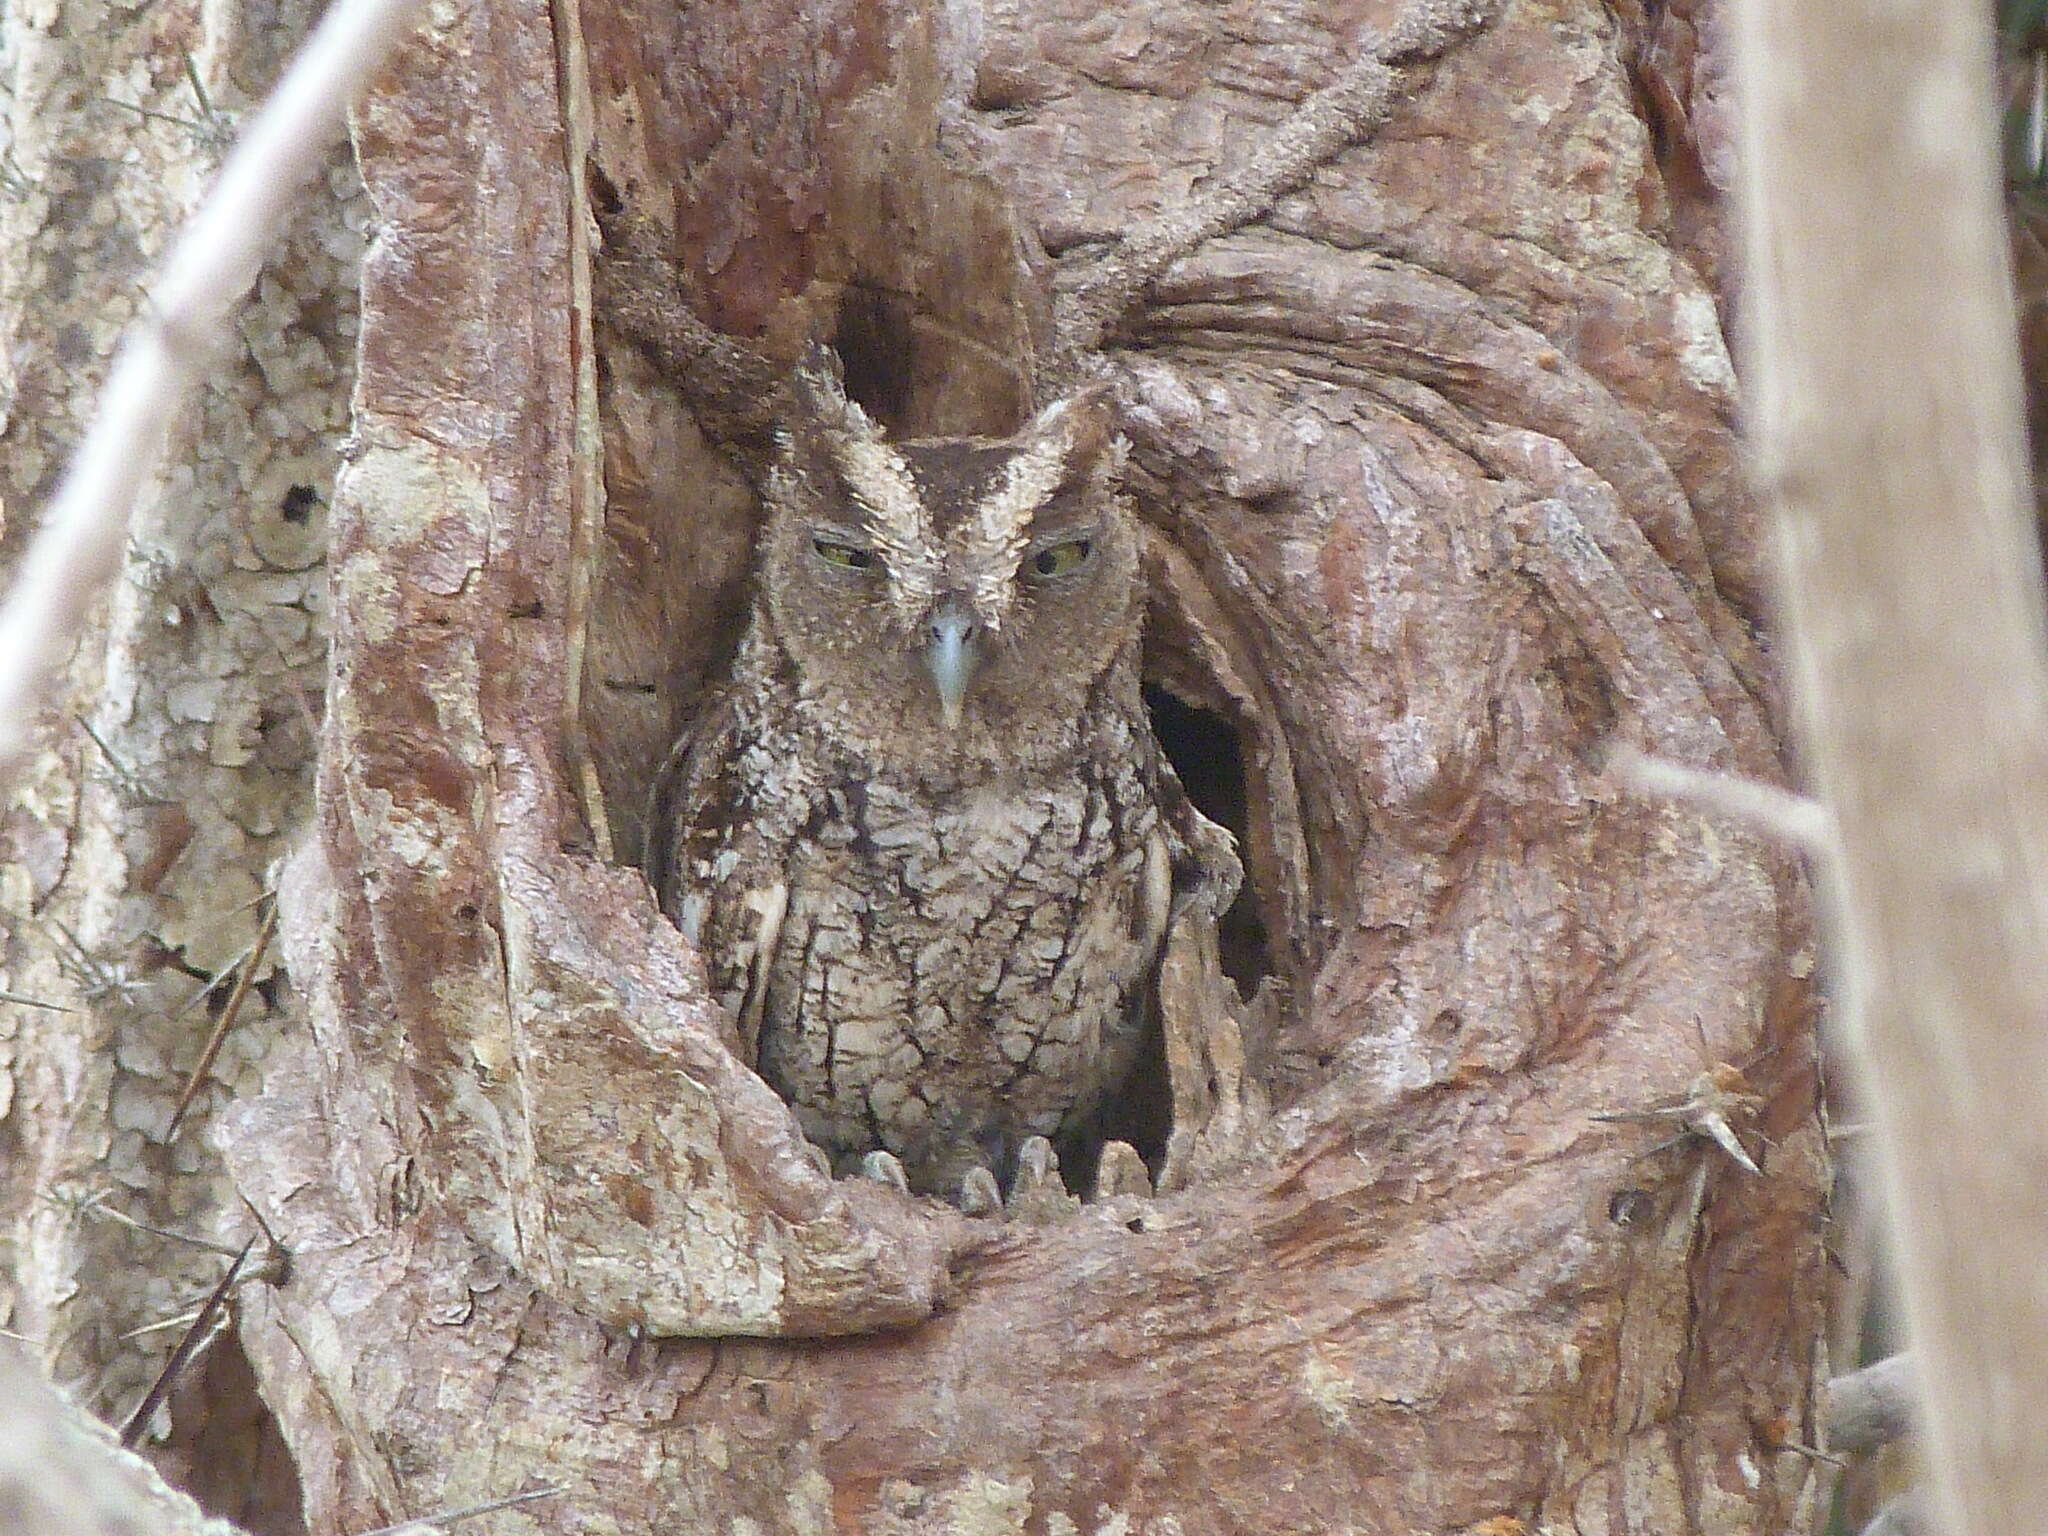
pixel 1204 749
pixel 1629 1207
pixel 298 503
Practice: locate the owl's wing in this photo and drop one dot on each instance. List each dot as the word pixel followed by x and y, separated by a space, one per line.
pixel 685 775
pixel 735 919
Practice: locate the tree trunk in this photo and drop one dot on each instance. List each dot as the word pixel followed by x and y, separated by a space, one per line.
pixel 133 854
pixel 1439 472
pixel 1896 456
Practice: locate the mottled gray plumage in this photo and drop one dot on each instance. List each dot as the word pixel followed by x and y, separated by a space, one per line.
pixel 924 837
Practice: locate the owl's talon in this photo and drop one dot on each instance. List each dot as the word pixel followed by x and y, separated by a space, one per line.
pixel 1037 1194
pixel 1120 1171
pixel 979 1195
pixel 1036 1161
pixel 884 1168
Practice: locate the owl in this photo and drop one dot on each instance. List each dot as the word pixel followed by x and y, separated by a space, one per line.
pixel 923 835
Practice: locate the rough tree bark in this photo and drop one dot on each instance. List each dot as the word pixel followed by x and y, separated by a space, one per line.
pixel 132 855
pixel 1439 465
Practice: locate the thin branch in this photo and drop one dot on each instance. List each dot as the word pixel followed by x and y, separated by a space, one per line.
pixel 183 1319
pixel 1792 818
pixel 100 1208
pixel 243 979
pixel 212 984
pixel 22 1001
pixel 217 257
pixel 1339 115
pixel 194 1340
pixel 150 114
pixel 1884 405
pixel 61 1475
pixel 449 1517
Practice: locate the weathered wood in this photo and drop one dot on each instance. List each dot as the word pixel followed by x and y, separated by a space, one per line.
pixel 179 765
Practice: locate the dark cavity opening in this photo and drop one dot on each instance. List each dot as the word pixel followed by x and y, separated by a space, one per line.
pixel 1205 751
pixel 298 503
pixel 871 336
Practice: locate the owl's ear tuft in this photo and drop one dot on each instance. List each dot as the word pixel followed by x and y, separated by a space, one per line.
pixel 1085 424
pixel 831 441
pixel 819 387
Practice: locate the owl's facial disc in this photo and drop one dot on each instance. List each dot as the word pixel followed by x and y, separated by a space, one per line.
pixel 950 654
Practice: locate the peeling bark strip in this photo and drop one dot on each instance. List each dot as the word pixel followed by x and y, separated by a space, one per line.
pixel 1438 469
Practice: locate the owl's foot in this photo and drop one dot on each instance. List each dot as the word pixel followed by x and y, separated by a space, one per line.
pixel 979 1195
pixel 1038 1195
pixel 884 1168
pixel 1120 1171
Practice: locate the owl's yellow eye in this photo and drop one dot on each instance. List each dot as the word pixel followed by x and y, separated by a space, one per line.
pixel 851 556
pixel 1061 559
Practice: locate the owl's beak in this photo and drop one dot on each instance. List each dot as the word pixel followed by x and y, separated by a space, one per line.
pixel 949 655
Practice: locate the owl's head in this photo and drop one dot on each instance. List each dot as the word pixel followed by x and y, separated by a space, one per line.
pixel 949 598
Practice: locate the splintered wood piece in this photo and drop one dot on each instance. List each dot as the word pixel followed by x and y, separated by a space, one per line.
pixel 1217 1106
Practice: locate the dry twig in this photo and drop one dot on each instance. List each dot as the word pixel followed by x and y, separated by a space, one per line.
pixel 1792 818
pixel 450 1516
pixel 21 1000
pixel 195 1339
pixel 225 1022
pixel 99 1207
